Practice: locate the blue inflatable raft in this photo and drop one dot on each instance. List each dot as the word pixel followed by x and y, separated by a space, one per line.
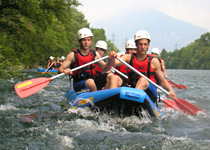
pixel 122 100
pixel 48 71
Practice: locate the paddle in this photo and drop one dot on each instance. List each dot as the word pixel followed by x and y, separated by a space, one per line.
pixel 183 105
pixel 179 86
pixel 120 73
pixel 48 68
pixel 29 87
pixel 168 103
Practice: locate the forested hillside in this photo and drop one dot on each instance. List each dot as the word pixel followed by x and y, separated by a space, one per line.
pixel 194 56
pixel 33 30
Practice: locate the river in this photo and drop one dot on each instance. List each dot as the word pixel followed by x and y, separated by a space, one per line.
pixel 55 129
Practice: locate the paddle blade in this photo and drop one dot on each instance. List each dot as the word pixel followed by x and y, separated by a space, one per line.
pixel 182 86
pixel 187 107
pixel 170 104
pixel 178 86
pixel 29 87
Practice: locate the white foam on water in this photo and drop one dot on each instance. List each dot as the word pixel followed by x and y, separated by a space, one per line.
pixel 64 140
pixel 8 106
pixel 67 141
pixel 85 112
pixel 169 142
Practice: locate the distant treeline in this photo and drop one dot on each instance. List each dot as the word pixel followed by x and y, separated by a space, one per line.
pixel 194 56
pixel 33 30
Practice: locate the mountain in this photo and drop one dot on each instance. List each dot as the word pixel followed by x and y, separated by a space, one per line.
pixel 166 32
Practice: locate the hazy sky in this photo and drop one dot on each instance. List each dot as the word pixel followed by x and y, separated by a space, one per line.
pixel 196 12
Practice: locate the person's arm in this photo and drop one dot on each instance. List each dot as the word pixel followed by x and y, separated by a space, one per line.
pixel 58 60
pixel 163 68
pixel 101 63
pixel 113 62
pixel 54 64
pixel 48 64
pixel 66 64
pixel 156 66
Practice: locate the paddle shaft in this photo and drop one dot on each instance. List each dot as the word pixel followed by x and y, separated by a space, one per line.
pixel 49 67
pixel 139 73
pixel 77 68
pixel 120 73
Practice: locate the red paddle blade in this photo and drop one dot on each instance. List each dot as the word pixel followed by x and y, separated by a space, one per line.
pixel 182 86
pixel 170 104
pixel 184 106
pixel 187 107
pixel 30 87
pixel 178 86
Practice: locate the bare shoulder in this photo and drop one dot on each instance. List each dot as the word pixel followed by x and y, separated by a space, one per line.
pixel 155 63
pixel 70 57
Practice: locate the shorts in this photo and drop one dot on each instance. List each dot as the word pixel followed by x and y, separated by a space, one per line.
pixel 78 86
pixel 100 81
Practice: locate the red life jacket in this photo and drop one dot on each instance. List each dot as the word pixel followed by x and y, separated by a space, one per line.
pixel 98 70
pixel 160 60
pixel 86 72
pixel 144 67
pixel 52 65
pixel 123 68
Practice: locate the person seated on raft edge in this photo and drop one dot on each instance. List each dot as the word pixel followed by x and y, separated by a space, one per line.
pixel 140 62
pixel 50 63
pixel 83 78
pixel 60 61
pixel 130 48
pixel 155 52
pixel 105 80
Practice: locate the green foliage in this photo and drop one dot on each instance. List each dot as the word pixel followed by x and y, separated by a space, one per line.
pixel 194 56
pixel 33 30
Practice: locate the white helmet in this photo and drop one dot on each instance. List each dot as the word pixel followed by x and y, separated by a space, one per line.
pixel 156 51
pixel 142 34
pixel 101 44
pixel 83 33
pixel 62 57
pixel 51 57
pixel 130 44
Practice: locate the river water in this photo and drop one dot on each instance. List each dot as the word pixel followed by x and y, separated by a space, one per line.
pixel 49 127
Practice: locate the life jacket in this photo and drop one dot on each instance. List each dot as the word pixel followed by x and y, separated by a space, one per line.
pixel 125 70
pixel 160 60
pixel 53 66
pixel 85 72
pixel 144 67
pixel 98 70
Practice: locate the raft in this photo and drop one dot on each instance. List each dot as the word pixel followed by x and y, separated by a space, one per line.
pixel 48 71
pixel 122 101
